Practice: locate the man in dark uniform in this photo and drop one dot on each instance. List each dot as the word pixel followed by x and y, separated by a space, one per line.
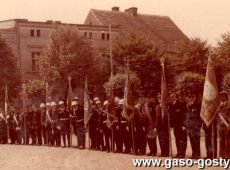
pixel 93 125
pixel 151 129
pixel 107 126
pixel 193 124
pixel 177 110
pixel 80 129
pixel 141 128
pixel 11 126
pixel 3 129
pixel 162 128
pixel 54 125
pixel 117 127
pixel 18 124
pixel 98 112
pixel 43 123
pixel 63 121
pixel 223 126
pixel 29 126
pixel 73 110
pixel 125 130
pixel 49 128
pixel 37 127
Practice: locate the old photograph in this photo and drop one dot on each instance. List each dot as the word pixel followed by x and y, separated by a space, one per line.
pixel 114 85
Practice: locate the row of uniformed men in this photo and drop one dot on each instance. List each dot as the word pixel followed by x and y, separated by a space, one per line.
pixel 108 132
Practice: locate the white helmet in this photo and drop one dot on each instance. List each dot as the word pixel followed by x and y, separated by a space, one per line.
pixel 74 103
pixel 106 102
pixel 95 99
pixel 42 105
pixel 53 103
pixel 61 102
pixel 75 98
pixel 98 102
pixel 121 102
pixel 116 99
pixel 48 104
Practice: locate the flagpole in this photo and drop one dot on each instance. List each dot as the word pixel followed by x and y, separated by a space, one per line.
pixel 6 110
pixel 70 124
pixel 47 86
pixel 162 60
pixel 111 77
pixel 110 49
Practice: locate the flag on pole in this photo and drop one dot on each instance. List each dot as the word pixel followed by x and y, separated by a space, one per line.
pixel 6 100
pixel 69 94
pixel 24 97
pixel 210 101
pixel 86 103
pixel 128 109
pixel 164 102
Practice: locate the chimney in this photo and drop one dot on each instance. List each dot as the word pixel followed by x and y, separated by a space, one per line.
pixel 115 8
pixel 132 11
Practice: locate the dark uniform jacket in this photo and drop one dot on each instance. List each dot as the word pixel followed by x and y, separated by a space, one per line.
pixel 192 120
pixel 37 119
pixel 177 112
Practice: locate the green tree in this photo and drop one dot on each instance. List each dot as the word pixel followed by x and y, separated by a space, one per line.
pixel 192 55
pixel 9 72
pixel 221 55
pixel 189 82
pixel 144 57
pixel 70 54
pixel 118 83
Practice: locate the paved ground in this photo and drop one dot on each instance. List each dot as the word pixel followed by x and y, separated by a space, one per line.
pixel 20 157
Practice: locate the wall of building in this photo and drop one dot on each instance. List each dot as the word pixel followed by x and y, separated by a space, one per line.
pixel 24 43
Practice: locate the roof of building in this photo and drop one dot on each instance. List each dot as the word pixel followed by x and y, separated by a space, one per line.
pixel 159 27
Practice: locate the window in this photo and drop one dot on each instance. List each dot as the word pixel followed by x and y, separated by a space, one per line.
pixel 85 34
pixel 35 61
pixel 108 36
pixel 38 33
pixel 90 35
pixel 103 36
pixel 32 33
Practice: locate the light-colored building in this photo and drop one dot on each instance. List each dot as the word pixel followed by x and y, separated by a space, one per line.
pixel 28 38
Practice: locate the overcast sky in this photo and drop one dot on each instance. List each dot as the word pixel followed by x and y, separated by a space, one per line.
pixel 207 19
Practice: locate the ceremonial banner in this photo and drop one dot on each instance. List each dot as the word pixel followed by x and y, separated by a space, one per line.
pixel 210 101
pixel 128 110
pixel 6 100
pixel 69 94
pixel 164 102
pixel 86 103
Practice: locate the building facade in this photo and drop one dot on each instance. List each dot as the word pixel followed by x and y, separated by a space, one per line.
pixel 28 38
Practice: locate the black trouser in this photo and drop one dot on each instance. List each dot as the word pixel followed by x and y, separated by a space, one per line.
pixel 93 136
pixel 195 143
pixel 181 140
pixel 44 134
pixel 54 137
pixel 118 139
pixel 12 135
pixel 140 141
pixel 224 144
pixel 107 133
pixel 163 136
pixel 18 134
pixel 38 135
pixel 30 134
pixel 100 139
pixel 152 142
pixel 126 139
pixel 81 135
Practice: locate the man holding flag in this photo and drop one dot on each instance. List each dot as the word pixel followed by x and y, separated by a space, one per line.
pixel 210 106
